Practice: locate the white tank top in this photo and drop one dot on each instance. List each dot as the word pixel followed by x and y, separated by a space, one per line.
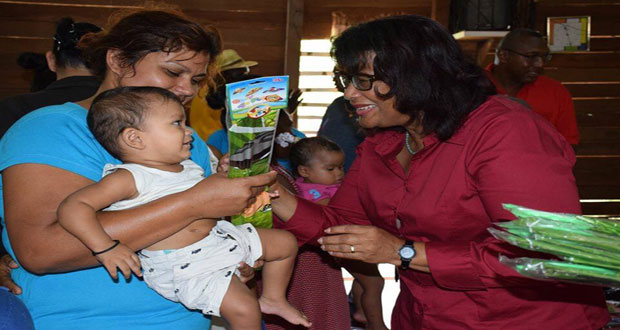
pixel 152 183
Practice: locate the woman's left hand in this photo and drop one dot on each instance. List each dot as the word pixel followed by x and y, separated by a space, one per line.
pixel 366 243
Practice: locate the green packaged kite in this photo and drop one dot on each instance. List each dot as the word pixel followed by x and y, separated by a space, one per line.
pixel 253 107
pixel 589 248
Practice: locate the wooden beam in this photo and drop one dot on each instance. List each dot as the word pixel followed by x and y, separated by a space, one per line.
pixel 292 44
pixel 440 11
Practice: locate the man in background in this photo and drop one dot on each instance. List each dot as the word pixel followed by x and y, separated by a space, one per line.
pixel 517 72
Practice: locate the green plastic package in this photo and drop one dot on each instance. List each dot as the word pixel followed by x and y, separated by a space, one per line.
pixel 253 107
pixel 589 248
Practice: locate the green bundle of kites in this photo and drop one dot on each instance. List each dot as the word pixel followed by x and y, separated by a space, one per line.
pixel 588 248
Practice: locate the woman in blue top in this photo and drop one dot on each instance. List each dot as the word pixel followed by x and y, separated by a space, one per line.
pixel 50 154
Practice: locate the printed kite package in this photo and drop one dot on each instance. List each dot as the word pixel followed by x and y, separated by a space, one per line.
pixel 253 107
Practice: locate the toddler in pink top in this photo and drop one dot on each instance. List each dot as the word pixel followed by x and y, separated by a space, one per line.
pixel 319 165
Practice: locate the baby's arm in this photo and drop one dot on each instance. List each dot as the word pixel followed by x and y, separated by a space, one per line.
pixel 323 201
pixel 77 215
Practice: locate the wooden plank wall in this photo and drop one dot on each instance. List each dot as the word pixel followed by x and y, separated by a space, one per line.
pixel 318 13
pixel 593 78
pixel 256 29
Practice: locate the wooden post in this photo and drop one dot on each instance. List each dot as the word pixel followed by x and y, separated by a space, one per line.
pixel 294 29
pixel 440 11
pixel 292 44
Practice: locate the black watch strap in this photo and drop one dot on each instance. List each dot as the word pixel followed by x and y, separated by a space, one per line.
pixel 406 253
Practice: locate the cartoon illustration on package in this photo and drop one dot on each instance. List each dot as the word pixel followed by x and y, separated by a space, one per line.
pixel 273 98
pixel 251 122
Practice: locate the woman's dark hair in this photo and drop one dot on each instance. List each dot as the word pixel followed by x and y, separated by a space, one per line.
pixel 147 31
pixel 119 108
pixel 303 151
pixel 68 34
pixel 429 76
pixel 37 62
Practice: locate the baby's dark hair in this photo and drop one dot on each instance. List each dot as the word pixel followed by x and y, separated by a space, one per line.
pixel 125 107
pixel 303 150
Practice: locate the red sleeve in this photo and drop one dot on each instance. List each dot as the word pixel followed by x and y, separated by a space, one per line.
pixel 566 120
pixel 513 159
pixel 310 219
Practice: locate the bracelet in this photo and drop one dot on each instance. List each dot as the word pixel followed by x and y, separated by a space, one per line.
pixel 116 243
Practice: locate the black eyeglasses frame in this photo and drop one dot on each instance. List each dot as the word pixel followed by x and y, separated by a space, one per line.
pixel 531 58
pixel 344 80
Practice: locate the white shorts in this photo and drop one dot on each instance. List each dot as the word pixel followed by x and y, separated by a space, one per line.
pixel 198 275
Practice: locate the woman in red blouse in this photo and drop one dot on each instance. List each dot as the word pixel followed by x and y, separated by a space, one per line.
pixel 445 154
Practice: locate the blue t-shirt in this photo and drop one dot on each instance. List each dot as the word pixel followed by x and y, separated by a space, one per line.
pixel 219 140
pixel 86 299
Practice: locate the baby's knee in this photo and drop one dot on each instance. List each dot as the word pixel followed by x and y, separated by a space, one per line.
pixel 243 308
pixel 287 239
pixel 281 242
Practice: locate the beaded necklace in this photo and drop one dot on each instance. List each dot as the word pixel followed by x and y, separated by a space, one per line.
pixel 409 149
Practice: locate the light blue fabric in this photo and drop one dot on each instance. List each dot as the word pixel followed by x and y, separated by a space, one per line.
pixel 87 299
pixel 219 140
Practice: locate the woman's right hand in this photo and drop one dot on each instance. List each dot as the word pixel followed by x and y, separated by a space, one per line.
pixel 7 264
pixel 218 196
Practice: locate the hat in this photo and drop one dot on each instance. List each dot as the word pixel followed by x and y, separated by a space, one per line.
pixel 229 59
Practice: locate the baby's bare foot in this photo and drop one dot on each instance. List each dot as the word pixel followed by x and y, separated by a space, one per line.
pixel 283 309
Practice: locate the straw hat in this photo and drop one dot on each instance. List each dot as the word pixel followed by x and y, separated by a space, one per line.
pixel 229 59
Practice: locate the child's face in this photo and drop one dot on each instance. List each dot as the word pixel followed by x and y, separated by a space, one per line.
pixel 167 139
pixel 327 167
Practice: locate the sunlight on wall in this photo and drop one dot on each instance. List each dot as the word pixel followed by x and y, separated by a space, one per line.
pixel 316 83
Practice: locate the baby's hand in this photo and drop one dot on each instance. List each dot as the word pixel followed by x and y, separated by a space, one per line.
pixel 123 258
pixel 224 164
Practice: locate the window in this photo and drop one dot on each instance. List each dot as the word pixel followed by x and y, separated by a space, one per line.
pixel 315 81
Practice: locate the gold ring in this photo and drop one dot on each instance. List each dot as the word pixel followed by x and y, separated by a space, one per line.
pixel 352 248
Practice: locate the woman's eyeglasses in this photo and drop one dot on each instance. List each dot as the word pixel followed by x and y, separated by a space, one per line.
pixel 533 57
pixel 361 81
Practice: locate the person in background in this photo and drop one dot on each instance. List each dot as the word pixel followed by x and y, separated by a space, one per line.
pixel 74 81
pixel 50 153
pixel 42 76
pixel 445 153
pixel 518 72
pixel 15 315
pixel 339 124
pixel 319 165
pixel 204 117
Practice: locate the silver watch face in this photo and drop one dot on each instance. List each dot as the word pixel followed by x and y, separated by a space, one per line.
pixel 407 252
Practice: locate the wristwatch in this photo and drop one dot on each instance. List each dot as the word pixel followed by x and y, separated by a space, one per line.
pixel 406 253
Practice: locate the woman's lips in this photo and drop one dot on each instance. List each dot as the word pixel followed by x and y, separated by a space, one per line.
pixel 363 109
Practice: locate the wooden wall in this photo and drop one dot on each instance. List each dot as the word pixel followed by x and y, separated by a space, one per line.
pixel 258 31
pixel 593 78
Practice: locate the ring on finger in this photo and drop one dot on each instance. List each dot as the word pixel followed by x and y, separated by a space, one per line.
pixel 352 248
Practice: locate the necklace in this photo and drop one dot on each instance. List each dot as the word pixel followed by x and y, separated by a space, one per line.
pixel 409 149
